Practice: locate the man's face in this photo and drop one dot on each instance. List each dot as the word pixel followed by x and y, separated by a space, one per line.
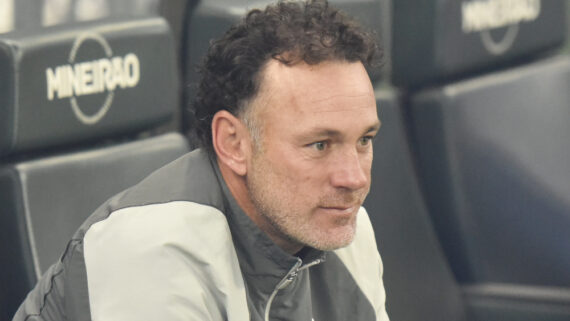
pixel 310 171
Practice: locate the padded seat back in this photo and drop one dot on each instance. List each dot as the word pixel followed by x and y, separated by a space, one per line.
pixel 81 82
pixel 68 95
pixel 494 153
pixel 45 200
pixel 441 40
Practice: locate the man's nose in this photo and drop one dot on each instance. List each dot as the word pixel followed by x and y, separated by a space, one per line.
pixel 350 171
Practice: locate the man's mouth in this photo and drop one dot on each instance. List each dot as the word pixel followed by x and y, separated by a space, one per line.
pixel 339 210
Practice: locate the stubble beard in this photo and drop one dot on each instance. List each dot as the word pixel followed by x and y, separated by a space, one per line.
pixel 276 207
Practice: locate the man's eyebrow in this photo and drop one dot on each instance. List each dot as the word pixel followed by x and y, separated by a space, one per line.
pixel 327 132
pixel 323 132
pixel 375 127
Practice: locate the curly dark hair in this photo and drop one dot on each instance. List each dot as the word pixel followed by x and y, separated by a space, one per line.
pixel 290 32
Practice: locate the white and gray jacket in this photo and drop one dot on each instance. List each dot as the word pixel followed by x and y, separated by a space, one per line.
pixel 178 247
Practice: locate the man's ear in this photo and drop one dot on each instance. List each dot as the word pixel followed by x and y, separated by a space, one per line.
pixel 231 141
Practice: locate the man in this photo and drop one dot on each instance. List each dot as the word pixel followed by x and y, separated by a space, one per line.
pixel 264 222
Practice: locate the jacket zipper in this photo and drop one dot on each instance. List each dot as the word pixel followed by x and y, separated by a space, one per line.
pixel 289 277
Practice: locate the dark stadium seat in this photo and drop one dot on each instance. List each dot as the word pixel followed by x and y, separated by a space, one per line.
pixel 419 284
pixel 441 40
pixel 45 200
pixel 493 157
pixel 77 100
pixel 494 153
pixel 82 82
pixel 485 106
pixel 476 173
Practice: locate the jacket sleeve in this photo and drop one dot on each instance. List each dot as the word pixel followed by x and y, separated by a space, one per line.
pixel 172 261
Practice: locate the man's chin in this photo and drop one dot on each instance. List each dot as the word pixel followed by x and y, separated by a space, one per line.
pixel 334 246
pixel 334 241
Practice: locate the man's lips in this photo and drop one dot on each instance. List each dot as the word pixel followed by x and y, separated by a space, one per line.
pixel 339 209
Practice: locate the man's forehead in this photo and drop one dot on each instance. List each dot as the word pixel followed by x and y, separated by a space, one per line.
pixel 275 71
pixel 329 82
pixel 354 102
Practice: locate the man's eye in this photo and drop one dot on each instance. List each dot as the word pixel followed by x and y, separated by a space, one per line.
pixel 320 146
pixel 366 140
